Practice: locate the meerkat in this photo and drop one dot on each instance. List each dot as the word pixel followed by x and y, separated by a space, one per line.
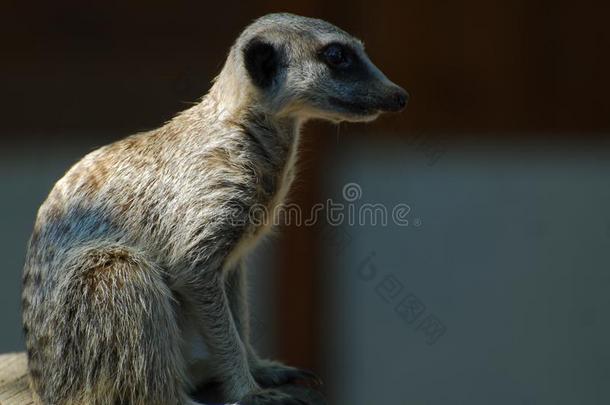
pixel 137 252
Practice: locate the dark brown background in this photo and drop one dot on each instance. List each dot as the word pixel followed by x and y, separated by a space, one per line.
pixel 470 65
pixel 73 70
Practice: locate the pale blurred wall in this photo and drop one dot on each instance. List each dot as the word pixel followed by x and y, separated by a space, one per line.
pixel 497 290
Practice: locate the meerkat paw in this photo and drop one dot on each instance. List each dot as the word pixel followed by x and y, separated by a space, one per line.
pixel 271 397
pixel 269 373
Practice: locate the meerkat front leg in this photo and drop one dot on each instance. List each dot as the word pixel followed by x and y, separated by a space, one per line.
pixel 235 285
pixel 267 373
pixel 228 352
pixel 220 334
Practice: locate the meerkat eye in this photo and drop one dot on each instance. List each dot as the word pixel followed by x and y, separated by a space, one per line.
pixel 337 55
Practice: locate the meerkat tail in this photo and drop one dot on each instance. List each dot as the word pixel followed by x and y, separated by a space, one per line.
pixel 119 340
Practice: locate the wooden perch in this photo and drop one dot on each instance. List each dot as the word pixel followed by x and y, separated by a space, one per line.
pixel 14 389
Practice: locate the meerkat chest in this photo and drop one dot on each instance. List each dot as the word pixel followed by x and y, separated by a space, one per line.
pixel 277 201
pixel 265 215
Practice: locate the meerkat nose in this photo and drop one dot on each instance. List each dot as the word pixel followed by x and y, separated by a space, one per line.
pixel 400 98
pixel 395 100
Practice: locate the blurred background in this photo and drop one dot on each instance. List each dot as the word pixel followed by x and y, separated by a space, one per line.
pixel 495 290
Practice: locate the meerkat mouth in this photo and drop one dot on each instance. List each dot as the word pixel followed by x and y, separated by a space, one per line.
pixel 353 107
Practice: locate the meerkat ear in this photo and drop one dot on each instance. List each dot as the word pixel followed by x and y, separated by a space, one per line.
pixel 262 62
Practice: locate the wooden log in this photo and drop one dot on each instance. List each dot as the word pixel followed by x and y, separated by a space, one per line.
pixel 14 389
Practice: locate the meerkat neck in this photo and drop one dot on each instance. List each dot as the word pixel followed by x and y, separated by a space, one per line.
pixel 234 101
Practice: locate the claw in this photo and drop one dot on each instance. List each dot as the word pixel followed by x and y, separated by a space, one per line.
pixel 276 375
pixel 271 397
pixel 310 376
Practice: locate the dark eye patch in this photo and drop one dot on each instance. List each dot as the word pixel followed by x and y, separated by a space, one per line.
pixel 337 56
pixel 344 63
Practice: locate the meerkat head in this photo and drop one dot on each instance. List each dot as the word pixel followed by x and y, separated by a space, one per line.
pixel 311 69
